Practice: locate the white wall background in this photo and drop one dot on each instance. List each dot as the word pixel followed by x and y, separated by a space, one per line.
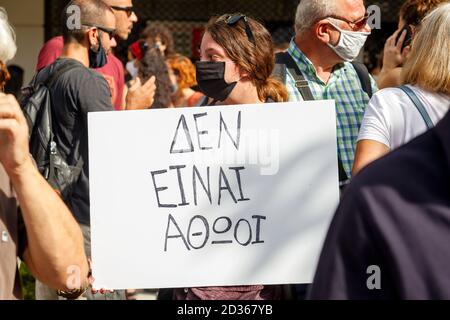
pixel 27 18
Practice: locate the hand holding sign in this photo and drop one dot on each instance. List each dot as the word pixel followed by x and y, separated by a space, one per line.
pixel 196 194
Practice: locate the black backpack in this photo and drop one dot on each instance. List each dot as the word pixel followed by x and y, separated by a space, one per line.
pixel 284 63
pixel 37 107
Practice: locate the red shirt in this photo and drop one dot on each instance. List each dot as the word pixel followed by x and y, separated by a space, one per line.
pixel 113 71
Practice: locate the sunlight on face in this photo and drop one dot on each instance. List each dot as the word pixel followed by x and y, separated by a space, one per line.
pixel 210 50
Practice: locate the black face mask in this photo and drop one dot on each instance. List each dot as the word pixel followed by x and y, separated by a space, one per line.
pixel 97 59
pixel 211 80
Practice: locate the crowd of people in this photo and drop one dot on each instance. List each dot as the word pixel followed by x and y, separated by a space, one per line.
pixel 394 214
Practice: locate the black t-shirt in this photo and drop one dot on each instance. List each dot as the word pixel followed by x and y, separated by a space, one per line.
pixel 76 93
pixel 396 216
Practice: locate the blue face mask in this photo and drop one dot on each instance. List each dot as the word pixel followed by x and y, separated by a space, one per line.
pixel 175 88
pixel 97 58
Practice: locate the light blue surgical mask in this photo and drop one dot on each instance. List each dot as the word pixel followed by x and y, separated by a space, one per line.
pixel 132 69
pixel 350 43
pixel 175 88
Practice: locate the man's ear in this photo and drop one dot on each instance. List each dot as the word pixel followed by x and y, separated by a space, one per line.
pixel 322 30
pixel 92 35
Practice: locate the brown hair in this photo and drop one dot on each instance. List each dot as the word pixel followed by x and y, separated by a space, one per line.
pixel 428 64
pixel 184 68
pixel 153 64
pixel 154 31
pixel 413 11
pixel 257 60
pixel 4 76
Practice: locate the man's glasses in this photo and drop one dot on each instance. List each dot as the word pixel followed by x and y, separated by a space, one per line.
pixel 354 25
pixel 111 32
pixel 128 10
pixel 234 19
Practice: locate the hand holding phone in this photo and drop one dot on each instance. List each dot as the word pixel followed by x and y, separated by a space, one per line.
pixel 408 37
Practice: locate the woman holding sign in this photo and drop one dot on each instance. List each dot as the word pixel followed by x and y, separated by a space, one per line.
pixel 237 60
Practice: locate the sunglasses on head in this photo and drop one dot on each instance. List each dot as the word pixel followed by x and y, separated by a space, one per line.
pixel 128 10
pixel 234 19
pixel 111 32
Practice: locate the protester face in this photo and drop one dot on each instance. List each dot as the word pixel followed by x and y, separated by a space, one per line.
pixel 348 29
pixel 225 78
pixel 125 17
pixel 157 43
pixel 108 40
pixel 211 51
pixel 101 41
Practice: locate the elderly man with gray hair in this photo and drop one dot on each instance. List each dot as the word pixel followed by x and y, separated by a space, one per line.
pixel 319 64
pixel 329 37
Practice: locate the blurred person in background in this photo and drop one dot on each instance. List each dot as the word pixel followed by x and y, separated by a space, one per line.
pixel 154 65
pixel 183 78
pixel 160 37
pixel 398 45
pixel 394 116
pixel 136 52
pixel 139 95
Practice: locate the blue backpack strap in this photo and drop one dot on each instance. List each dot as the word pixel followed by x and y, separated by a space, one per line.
pixel 419 105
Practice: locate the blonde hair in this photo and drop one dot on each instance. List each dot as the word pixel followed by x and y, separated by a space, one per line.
pixel 428 65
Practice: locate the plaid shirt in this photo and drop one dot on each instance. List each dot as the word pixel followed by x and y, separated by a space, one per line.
pixel 345 88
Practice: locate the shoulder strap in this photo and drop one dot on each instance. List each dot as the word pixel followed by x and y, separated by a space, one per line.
pixel 285 62
pixel 285 59
pixel 364 78
pixel 49 82
pixel 419 105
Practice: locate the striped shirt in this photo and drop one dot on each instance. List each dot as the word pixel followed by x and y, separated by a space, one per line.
pixel 345 88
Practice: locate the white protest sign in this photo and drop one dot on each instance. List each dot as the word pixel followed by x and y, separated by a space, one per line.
pixel 218 196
